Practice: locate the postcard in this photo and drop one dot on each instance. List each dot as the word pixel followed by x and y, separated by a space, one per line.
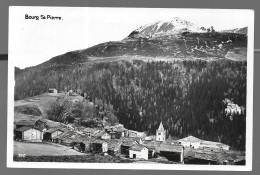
pixel 130 88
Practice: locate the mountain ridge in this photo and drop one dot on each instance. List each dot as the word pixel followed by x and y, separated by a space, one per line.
pixel 176 38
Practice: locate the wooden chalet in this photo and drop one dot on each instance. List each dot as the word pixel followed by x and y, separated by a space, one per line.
pixel 61 138
pixel 29 134
pixel 126 144
pixel 117 131
pixel 114 146
pixel 53 132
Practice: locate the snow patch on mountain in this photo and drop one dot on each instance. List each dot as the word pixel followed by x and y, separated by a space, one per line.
pixel 166 27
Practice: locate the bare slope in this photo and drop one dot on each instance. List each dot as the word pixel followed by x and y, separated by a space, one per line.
pixel 42 102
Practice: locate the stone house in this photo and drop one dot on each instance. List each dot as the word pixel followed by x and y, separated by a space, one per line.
pixel 138 152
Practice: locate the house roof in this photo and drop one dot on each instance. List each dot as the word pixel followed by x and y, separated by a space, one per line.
pixel 170 147
pixel 214 155
pixel 116 128
pixel 99 133
pixel 63 135
pixel 119 129
pixel 205 156
pixel 42 120
pixel 91 130
pixel 51 130
pixel 74 138
pixel 137 147
pixel 129 143
pixel 86 140
pixel 209 143
pixel 97 141
pixel 136 132
pixel 114 144
pixel 190 139
pixel 149 138
pixel 26 122
pixel 152 144
pixel 69 140
pixel 23 128
pixel 130 140
pixel 52 124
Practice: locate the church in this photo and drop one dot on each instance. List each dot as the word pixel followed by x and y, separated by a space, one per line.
pixel 160 133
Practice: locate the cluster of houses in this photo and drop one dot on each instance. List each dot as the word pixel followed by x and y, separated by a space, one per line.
pixel 114 140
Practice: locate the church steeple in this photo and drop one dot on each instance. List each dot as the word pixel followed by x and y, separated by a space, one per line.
pixel 160 133
pixel 161 126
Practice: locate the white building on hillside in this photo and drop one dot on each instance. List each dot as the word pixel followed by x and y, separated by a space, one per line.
pixel 191 142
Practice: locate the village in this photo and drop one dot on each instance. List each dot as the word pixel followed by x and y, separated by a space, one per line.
pixel 119 141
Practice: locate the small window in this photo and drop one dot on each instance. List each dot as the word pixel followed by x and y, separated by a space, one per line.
pixel 159 133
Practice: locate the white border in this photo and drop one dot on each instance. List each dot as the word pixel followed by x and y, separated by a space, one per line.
pixel 249 125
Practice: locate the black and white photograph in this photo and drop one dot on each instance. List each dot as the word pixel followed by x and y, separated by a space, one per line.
pixel 130 88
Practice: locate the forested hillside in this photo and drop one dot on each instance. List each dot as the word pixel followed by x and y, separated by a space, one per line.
pixel 185 95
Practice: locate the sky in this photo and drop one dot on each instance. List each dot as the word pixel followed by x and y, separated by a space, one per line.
pixel 32 41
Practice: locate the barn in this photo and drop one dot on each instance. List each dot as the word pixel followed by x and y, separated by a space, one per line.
pixel 138 152
pixel 126 145
pixel 114 146
pixel 191 142
pixel 28 133
pixel 172 152
pixel 51 133
pixel 62 137
pixel 99 146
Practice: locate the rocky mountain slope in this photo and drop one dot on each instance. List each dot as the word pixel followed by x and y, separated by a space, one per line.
pixel 174 38
pixel 166 27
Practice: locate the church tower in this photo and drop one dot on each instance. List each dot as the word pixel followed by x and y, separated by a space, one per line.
pixel 160 133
